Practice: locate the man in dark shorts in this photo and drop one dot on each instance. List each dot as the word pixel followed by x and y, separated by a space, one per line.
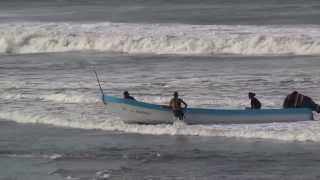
pixel 175 105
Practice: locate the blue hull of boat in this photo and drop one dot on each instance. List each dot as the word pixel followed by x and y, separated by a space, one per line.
pixel 131 111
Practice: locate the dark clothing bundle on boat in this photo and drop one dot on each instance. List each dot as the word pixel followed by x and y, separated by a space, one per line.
pixel 297 100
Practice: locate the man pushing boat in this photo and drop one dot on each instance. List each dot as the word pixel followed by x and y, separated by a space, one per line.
pixel 126 95
pixel 175 105
pixel 297 100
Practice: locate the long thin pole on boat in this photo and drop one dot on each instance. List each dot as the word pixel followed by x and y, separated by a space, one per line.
pixel 101 90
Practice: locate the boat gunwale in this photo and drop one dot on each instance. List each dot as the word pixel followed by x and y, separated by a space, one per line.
pixel 270 112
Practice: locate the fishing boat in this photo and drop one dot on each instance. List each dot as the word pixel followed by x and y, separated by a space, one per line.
pixel 132 111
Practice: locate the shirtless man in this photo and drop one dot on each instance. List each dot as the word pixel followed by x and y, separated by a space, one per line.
pixel 175 105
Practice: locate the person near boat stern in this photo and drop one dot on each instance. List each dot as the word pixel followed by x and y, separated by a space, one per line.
pixel 298 100
pixel 255 103
pixel 126 95
pixel 176 106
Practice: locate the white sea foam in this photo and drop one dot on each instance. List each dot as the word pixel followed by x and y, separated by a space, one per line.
pixel 159 38
pixel 299 131
pixel 8 96
pixel 57 97
pixel 46 156
pixel 66 98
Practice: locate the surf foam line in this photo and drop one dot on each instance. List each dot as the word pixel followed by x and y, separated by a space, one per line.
pixel 58 98
pixel 299 131
pixel 30 37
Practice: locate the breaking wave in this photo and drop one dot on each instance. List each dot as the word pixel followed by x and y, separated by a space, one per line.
pixel 298 131
pixel 159 38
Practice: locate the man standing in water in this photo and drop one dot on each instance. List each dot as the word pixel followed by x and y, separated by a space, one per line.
pixel 175 105
pixel 255 103
pixel 297 100
pixel 126 95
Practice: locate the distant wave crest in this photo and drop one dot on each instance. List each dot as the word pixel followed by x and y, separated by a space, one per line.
pixel 159 39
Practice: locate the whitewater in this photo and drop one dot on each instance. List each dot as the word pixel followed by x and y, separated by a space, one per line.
pixel 173 39
pixel 61 90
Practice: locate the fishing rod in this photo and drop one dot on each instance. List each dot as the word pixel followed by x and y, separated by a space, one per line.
pixel 101 90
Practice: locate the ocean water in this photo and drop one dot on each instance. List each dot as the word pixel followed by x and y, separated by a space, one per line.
pixel 42 152
pixel 54 126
